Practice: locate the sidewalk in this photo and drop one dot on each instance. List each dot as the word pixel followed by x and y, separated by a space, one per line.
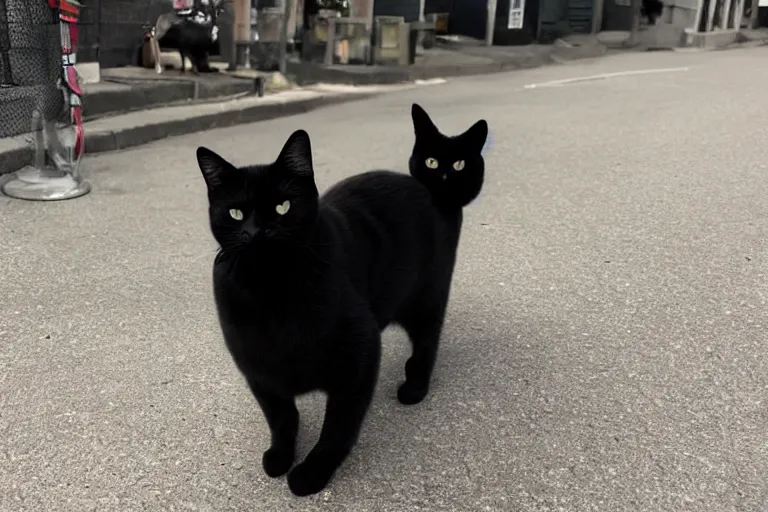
pixel 132 88
pixel 133 106
pixel 452 57
pixel 114 132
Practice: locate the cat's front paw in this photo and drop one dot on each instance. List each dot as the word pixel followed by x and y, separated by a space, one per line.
pixel 309 477
pixel 277 461
pixel 411 393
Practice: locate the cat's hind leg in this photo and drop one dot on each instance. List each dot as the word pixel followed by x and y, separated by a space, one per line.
pixel 283 420
pixel 423 322
pixel 183 65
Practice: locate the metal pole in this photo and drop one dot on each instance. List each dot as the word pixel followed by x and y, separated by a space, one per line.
pixel 283 55
pixel 490 22
pixel 634 34
pixel 597 16
pixel 242 32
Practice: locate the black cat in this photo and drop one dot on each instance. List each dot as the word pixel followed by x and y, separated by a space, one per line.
pixel 304 285
pixel 194 35
pixel 652 9
pixel 452 168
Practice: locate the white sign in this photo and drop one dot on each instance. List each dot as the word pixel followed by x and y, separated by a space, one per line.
pixel 516 13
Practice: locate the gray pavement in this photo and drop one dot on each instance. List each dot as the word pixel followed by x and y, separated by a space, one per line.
pixel 605 348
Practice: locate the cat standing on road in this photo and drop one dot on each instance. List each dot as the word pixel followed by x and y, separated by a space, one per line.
pixel 304 285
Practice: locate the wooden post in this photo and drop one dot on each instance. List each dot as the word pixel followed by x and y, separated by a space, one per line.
pixel 283 55
pixel 242 20
pixel 242 32
pixel 710 16
pixel 725 13
pixel 634 34
pixel 738 13
pixel 362 9
pixel 753 20
pixel 699 14
pixel 490 22
pixel 597 15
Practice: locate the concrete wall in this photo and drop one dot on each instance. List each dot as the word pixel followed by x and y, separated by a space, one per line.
pixel 553 20
pixel 680 13
pixel 408 9
pixel 468 18
pixel 30 61
pixel 111 31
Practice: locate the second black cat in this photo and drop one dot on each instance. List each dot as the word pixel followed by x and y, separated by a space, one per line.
pixel 305 284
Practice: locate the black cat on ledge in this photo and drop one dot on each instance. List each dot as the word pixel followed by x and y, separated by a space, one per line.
pixel 191 29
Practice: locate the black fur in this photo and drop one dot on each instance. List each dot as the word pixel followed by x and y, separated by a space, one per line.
pixel 194 40
pixel 651 9
pixel 302 297
pixel 452 188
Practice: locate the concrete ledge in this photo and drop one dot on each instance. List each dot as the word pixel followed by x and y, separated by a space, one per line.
pixel 613 38
pixel 121 132
pixel 662 36
pixel 309 73
pixel 90 72
pixel 719 39
pixel 136 97
pixel 137 89
pixel 15 153
pixel 494 61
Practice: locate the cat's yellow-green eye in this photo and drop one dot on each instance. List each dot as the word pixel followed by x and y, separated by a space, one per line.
pixel 431 163
pixel 236 214
pixel 458 165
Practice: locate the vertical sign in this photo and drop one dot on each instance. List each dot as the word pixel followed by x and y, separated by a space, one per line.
pixel 516 12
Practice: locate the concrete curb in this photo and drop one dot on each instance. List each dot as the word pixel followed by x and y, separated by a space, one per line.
pixel 306 73
pixel 141 92
pixel 16 153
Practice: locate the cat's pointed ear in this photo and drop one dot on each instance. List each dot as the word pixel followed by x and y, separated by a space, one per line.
pixel 422 124
pixel 476 135
pixel 213 167
pixel 296 156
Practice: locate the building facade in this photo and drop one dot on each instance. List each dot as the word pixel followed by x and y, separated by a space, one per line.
pixel 517 21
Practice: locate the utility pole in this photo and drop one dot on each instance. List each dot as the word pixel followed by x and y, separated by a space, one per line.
pixel 242 32
pixel 634 34
pixel 283 55
pixel 490 22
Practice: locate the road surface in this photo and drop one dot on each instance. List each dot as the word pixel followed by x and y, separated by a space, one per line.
pixel 606 347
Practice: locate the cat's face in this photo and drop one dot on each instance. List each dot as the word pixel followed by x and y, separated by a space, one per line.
pixel 257 204
pixel 451 166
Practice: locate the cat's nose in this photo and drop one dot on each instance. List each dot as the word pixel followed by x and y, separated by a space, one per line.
pixel 249 233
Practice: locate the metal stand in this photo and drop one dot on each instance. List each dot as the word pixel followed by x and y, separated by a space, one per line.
pixel 32 184
pixel 55 174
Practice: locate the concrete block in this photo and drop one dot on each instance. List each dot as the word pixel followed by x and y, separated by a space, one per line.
pixel 90 72
pixel 613 38
pixel 719 39
pixel 663 36
pixel 15 153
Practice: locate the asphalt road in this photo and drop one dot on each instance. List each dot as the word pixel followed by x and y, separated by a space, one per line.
pixel 605 347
